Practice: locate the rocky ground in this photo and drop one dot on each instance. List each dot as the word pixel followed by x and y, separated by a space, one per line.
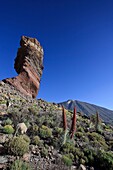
pixel 45 145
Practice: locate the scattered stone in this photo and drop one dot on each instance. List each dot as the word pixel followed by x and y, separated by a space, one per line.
pixel 11 158
pixel 2 166
pixel 3 159
pixel 26 157
pixel 73 168
pixel 22 127
pixel 3 113
pixel 82 167
pixel 2 138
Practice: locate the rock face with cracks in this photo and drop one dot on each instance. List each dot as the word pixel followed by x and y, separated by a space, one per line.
pixel 29 66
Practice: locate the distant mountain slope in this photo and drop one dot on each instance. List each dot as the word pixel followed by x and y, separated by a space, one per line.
pixel 89 109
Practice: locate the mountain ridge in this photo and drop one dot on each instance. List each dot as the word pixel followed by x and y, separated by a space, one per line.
pixel 89 109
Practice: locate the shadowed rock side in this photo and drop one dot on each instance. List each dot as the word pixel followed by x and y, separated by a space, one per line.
pixel 29 66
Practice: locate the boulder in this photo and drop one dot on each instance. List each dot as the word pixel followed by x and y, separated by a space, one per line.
pixel 82 167
pixel 3 159
pixel 29 66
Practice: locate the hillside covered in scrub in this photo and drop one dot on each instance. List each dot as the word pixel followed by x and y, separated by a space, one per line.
pixel 47 144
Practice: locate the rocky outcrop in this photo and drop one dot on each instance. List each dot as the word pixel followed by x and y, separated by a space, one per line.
pixel 29 66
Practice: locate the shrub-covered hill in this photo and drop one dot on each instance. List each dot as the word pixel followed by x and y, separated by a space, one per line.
pixel 46 144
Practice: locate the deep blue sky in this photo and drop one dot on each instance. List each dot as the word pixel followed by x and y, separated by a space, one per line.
pixel 77 37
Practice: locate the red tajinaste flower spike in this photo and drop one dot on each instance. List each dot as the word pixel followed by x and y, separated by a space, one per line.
pixel 97 117
pixel 73 127
pixel 64 118
pixel 97 120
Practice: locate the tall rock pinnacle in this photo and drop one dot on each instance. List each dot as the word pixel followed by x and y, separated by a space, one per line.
pixel 29 66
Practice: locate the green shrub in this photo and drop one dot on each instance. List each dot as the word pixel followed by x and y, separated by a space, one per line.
pixel 70 155
pixel 90 154
pixel 20 165
pixel 59 130
pixel 79 153
pixel 45 132
pixel 44 152
pixel 17 146
pixel 80 129
pixel 95 136
pixel 105 160
pixel 97 140
pixel 79 134
pixel 34 110
pixel 99 144
pixel 36 140
pixel 8 121
pixel 82 161
pixel 33 130
pixel 68 147
pixel 8 129
pixel 2 102
pixel 26 138
pixel 67 161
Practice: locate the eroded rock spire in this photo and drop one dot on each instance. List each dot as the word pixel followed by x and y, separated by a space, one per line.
pixel 29 66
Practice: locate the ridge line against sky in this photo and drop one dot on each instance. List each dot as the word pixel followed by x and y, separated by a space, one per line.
pixel 77 37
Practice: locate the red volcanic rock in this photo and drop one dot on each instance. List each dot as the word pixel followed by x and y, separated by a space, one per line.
pixel 29 66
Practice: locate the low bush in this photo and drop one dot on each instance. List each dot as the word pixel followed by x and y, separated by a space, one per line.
pixel 17 146
pixel 20 165
pixel 8 129
pixel 26 138
pixel 44 152
pixel 68 147
pixel 33 130
pixel 8 121
pixel 105 160
pixel 67 161
pixel 36 140
pixel 45 132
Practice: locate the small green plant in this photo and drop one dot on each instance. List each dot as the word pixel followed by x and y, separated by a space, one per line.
pixel 2 102
pixel 33 130
pixel 65 137
pixel 67 161
pixel 90 154
pixel 79 134
pixel 105 160
pixel 78 152
pixel 59 131
pixel 36 140
pixel 26 138
pixel 20 165
pixel 80 129
pixel 45 132
pixel 44 152
pixel 17 146
pixel 34 110
pixel 8 121
pixel 68 147
pixel 8 129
